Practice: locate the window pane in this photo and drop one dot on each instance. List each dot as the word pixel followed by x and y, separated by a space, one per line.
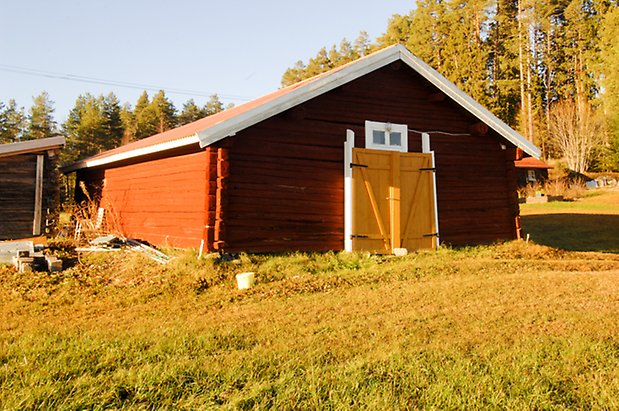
pixel 395 138
pixel 378 137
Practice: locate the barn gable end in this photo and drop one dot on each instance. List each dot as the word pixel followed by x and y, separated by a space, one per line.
pixel 287 174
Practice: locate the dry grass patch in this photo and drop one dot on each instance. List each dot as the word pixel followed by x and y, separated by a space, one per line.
pixel 509 326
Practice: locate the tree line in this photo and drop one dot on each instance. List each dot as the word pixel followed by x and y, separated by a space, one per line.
pixel 548 68
pixel 98 123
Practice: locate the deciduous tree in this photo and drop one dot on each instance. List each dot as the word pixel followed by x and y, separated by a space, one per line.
pixel 577 131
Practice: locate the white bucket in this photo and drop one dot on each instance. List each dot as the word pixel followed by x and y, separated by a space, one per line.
pixel 245 280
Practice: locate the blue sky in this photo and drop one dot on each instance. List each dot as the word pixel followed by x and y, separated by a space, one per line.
pixel 238 49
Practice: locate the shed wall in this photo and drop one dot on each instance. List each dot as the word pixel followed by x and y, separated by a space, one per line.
pixel 17 194
pixel 161 201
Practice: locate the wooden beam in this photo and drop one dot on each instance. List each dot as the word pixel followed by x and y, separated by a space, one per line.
pixel 38 196
pixel 394 202
pixel 221 197
pixel 478 129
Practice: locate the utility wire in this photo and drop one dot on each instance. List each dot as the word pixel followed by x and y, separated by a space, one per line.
pixel 438 132
pixel 126 84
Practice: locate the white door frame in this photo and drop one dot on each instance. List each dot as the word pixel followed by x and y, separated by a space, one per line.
pixel 349 144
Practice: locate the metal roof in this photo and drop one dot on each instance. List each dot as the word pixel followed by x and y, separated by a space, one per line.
pixel 227 123
pixel 31 146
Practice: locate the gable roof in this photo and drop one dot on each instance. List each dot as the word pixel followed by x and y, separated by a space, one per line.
pixel 227 123
pixel 31 146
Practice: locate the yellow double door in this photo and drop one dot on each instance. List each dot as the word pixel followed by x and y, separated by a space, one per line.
pixel 393 201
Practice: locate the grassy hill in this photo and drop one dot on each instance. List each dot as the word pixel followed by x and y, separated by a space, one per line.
pixel 515 325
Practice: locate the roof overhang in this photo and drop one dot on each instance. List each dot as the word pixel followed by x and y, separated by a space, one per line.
pixel 128 155
pixel 31 146
pixel 351 72
pixel 304 93
pixel 275 103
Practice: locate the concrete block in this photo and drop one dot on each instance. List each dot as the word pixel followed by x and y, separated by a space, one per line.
pixel 53 264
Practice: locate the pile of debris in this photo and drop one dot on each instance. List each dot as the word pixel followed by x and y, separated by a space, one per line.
pixel 111 243
pixel 26 257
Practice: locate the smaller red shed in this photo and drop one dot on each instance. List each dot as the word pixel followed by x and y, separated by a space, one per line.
pixel 531 171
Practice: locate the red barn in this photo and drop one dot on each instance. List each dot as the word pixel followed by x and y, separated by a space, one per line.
pixel 379 154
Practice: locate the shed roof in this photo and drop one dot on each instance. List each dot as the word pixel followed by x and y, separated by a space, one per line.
pixel 530 162
pixel 213 128
pixel 31 146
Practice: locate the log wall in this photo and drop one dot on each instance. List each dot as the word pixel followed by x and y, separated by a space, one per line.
pixel 162 201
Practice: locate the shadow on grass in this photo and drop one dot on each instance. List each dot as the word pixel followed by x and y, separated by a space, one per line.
pixel 574 232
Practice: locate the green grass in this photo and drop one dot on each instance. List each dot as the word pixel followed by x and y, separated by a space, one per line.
pixel 588 224
pixel 509 326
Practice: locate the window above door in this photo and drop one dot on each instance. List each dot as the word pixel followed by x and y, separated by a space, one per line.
pixel 386 136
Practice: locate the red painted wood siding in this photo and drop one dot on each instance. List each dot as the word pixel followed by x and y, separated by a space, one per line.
pixel 160 201
pixel 285 189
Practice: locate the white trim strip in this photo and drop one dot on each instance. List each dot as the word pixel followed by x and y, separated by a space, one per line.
pixel 349 144
pixel 296 97
pixel 467 102
pixel 144 151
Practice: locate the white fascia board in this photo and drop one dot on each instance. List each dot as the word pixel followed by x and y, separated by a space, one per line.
pixel 468 103
pixel 30 146
pixel 181 142
pixel 302 94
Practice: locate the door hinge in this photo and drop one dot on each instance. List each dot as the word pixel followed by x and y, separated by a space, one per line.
pixel 358 165
pixel 430 235
pixel 353 236
pixel 428 169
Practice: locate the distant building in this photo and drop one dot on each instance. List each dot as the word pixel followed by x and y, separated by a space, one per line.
pixel 531 171
pixel 29 187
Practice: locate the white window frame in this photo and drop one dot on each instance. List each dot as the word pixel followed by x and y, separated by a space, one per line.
pixel 531 175
pixel 387 128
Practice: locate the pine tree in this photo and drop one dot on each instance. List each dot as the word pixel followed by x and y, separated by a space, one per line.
pixel 465 51
pixel 362 44
pixel 610 80
pixel 41 122
pixel 503 80
pixel 145 118
pixel 294 74
pixel 213 105
pixel 93 125
pixel 12 122
pixel 112 113
pixel 327 60
pixel 165 112
pixel 190 112
pixel 128 121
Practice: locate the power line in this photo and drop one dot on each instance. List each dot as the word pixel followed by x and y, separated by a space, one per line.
pixel 126 84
